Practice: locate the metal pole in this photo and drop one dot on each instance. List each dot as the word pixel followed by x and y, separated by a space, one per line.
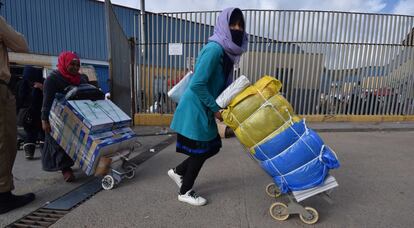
pixel 141 105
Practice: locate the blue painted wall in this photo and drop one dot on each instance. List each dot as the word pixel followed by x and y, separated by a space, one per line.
pixel 51 26
pixel 102 74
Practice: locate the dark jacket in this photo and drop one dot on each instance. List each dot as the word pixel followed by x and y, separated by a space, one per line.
pixel 29 98
pixel 54 84
pixel 53 156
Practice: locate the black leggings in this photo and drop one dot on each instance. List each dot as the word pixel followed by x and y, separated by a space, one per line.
pixel 190 168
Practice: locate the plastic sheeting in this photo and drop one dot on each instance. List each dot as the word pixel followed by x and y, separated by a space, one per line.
pixel 297 158
pixel 264 121
pixel 232 90
pixel 258 107
pixel 178 90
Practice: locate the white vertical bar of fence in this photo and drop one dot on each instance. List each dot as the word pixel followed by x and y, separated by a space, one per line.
pixel 398 58
pixel 184 40
pixel 321 34
pixel 304 75
pixel 291 53
pixel 296 60
pixel 338 69
pixel 191 37
pixel 393 64
pixel 388 60
pixel 383 64
pixel 364 63
pixel 335 62
pixel 367 78
pixel 347 74
pixel 328 50
pixel 260 35
pixel 310 67
pixel 252 46
pixel 288 55
pixel 396 63
pixel 380 66
pixel 271 45
pixel 199 40
pixel 361 52
pixel 355 93
pixel 259 51
pixel 346 77
pixel 281 49
pixel 255 49
pixel 373 64
pixel 343 64
pixel 357 65
pixel 393 49
pixel 267 19
pixel 340 56
pixel 301 56
pixel 315 108
pixel 246 58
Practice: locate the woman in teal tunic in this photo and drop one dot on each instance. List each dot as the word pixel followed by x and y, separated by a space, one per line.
pixel 194 122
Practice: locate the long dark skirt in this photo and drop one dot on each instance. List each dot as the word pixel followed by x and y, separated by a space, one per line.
pixel 197 148
pixel 54 157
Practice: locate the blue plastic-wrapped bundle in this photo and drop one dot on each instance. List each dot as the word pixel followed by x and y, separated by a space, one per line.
pixel 296 158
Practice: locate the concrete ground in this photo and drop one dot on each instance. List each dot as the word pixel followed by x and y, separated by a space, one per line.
pixel 48 186
pixel 375 182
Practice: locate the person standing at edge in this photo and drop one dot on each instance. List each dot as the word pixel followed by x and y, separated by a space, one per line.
pixel 15 41
pixel 197 134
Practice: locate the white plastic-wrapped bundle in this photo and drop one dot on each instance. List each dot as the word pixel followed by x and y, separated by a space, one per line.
pixel 232 91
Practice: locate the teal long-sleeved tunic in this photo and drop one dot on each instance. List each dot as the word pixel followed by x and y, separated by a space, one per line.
pixel 194 116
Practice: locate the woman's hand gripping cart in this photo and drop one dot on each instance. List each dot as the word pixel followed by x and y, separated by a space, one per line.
pixel 292 154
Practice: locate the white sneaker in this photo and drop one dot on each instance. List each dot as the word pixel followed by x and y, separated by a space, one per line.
pixel 192 198
pixel 175 177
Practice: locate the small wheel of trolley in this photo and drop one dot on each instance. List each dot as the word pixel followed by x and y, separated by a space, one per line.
pixel 272 190
pixel 279 211
pixel 108 182
pixel 130 172
pixel 312 219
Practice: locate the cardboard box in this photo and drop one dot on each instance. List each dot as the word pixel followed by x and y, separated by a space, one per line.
pixel 84 146
pixel 119 118
pixel 91 114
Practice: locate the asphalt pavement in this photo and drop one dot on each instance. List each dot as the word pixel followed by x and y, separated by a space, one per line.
pixel 375 186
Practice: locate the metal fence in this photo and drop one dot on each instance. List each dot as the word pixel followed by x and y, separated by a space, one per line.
pixel 330 63
pixel 120 62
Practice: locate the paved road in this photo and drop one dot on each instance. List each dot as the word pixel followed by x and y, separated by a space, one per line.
pixel 375 189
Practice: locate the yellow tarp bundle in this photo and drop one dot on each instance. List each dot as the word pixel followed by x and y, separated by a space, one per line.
pixel 258 112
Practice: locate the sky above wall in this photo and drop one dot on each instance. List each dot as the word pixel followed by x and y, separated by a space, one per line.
pixel 404 7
